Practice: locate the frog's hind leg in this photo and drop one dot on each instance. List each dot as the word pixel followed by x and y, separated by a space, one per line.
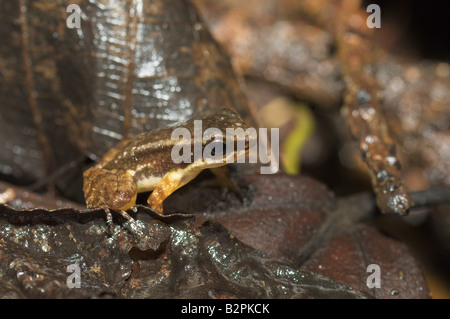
pixel 226 183
pixel 169 184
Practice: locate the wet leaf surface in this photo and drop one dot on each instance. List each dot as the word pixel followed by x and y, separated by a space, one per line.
pixel 199 263
pixel 299 219
pixel 226 249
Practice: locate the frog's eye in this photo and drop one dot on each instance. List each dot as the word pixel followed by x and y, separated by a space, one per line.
pixel 218 148
pixel 214 152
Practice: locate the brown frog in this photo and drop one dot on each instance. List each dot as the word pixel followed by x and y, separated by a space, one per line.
pixel 145 163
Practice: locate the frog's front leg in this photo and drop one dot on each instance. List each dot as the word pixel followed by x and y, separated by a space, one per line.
pixel 170 183
pixel 110 189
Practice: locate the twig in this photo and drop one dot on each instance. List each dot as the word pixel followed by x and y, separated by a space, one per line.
pixel 363 114
pixel 431 197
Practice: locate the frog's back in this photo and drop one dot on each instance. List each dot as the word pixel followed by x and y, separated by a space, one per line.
pixel 148 153
pixel 148 156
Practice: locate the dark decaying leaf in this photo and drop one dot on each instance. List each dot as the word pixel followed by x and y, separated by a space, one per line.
pixel 300 219
pixel 210 262
pixel 348 254
pixel 200 263
pixel 129 68
pixel 38 245
pixel 195 256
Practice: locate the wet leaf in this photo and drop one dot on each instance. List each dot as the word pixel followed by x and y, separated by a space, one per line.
pixel 252 250
pixel 38 246
pixel 210 262
pixel 300 220
pixel 70 92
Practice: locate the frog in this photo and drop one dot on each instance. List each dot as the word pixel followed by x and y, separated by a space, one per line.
pixel 144 163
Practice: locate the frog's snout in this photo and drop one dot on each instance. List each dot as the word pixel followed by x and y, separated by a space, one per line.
pixel 113 189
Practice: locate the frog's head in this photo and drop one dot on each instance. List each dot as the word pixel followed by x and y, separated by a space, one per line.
pixel 226 138
pixel 109 189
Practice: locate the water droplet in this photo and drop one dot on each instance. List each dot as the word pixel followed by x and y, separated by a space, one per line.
pixel 198 26
pixel 369 139
pixel 363 97
pixel 382 176
pixel 394 292
pixel 391 160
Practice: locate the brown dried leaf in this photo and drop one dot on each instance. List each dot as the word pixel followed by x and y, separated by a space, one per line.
pixel 298 219
pixel 66 92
